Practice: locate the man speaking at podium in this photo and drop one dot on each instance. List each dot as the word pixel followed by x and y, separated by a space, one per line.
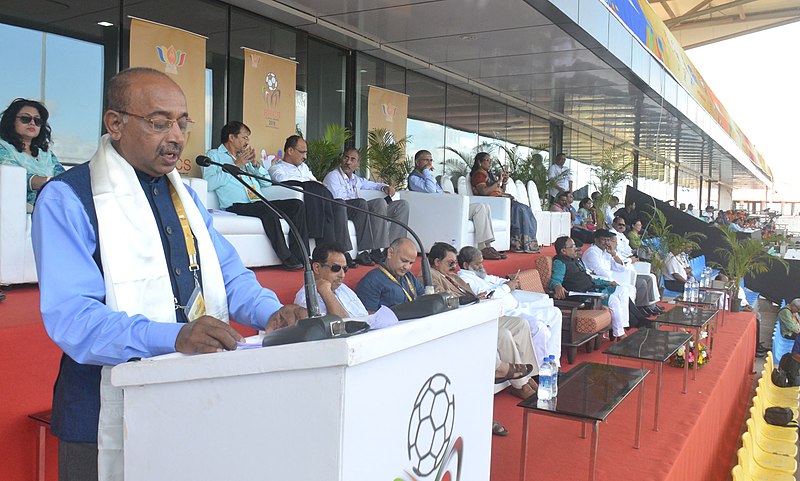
pixel 130 266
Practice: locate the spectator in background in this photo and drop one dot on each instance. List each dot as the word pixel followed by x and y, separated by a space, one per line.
pixel 570 275
pixel 544 319
pixel 325 221
pixel 421 180
pixel 514 345
pixel 682 207
pixel 329 263
pixel 586 213
pixel 234 197
pixel 628 213
pixel 25 142
pixel 581 234
pixel 676 271
pixel 523 224
pixel 392 282
pixel 562 174
pixel 789 317
pixel 690 210
pixel 375 233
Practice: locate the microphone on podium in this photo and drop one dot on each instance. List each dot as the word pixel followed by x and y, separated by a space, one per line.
pixel 425 305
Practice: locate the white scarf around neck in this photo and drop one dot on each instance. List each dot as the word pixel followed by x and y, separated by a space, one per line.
pixel 137 280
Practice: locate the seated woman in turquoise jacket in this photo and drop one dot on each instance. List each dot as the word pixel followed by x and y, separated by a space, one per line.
pixel 25 141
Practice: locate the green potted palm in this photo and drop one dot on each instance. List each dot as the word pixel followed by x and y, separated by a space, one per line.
pixel 609 173
pixel 532 168
pixel 743 257
pixel 460 165
pixel 325 154
pixel 386 158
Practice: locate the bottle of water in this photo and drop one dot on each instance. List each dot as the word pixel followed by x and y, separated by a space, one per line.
pixel 554 375
pixel 709 273
pixel 695 290
pixel 545 391
pixel 703 278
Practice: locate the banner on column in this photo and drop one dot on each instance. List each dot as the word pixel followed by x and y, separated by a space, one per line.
pixel 387 110
pixel 268 102
pixel 182 56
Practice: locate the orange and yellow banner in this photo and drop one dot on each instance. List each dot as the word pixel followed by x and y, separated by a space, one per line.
pixel 268 102
pixel 388 110
pixel 182 56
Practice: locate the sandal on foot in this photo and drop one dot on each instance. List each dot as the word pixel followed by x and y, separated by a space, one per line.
pixel 498 429
pixel 515 371
pixel 523 392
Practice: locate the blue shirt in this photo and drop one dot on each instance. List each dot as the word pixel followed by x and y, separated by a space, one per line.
pixel 423 182
pixel 228 189
pixel 73 290
pixel 376 289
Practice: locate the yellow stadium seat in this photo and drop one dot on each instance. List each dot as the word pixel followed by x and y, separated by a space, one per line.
pixel 771 445
pixel 787 435
pixel 771 461
pixel 752 471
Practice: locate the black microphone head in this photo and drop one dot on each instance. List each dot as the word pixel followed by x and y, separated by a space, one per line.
pixel 202 161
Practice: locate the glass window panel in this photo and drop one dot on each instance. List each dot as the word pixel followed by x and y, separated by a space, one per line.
pixel 52 53
pixel 326 79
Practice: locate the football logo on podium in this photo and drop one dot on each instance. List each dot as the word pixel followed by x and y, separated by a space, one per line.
pixel 432 451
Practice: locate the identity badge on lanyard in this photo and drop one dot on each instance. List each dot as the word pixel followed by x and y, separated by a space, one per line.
pixel 196 306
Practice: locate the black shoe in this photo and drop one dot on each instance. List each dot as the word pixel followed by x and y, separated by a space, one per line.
pixel 350 262
pixel 2 297
pixel 658 308
pixel 377 256
pixel 364 259
pixel 291 264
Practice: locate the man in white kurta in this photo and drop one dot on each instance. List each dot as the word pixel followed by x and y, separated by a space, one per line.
pixel 598 260
pixel 538 309
pixel 629 258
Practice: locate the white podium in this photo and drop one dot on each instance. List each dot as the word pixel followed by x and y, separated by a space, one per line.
pixel 412 400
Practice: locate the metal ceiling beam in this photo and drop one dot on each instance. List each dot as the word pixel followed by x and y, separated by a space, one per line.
pixel 688 16
pixel 791 14
pixel 740 33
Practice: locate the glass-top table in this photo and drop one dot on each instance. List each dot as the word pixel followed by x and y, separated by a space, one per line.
pixel 654 346
pixel 691 318
pixel 726 291
pixel 706 299
pixel 588 393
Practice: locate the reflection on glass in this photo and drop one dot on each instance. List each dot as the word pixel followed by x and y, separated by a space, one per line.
pixel 75 114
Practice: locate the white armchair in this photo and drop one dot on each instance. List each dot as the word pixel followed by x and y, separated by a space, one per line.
pixel 17 265
pixel 501 213
pixel 246 234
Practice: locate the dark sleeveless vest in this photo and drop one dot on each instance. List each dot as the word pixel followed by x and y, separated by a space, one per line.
pixel 76 394
pixel 576 278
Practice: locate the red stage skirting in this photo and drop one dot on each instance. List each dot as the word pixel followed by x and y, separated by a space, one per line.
pixel 716 402
pixel 698 436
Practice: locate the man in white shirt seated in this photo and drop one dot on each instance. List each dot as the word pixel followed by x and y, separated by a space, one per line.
pixel 536 308
pixel 421 180
pixel 330 266
pixel 600 262
pixel 646 284
pixel 676 270
pixel 326 221
pixel 514 345
pixel 374 234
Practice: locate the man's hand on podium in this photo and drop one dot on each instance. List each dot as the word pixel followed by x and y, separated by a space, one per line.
pixel 206 334
pixel 286 316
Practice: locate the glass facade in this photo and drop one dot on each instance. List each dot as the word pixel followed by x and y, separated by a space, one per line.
pixel 62 50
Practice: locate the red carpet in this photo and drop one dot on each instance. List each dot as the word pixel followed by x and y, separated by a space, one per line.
pixel 698 431
pixel 697 440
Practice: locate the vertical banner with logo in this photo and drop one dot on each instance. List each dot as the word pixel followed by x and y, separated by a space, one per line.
pixel 268 102
pixel 182 56
pixel 388 110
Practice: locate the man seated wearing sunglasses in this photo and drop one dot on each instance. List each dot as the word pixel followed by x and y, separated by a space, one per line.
pixel 329 264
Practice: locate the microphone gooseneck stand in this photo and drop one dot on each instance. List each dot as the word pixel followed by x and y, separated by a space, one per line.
pixel 425 305
pixel 316 326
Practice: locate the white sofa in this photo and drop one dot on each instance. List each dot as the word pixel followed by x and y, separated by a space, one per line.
pixel 16 250
pixel 246 234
